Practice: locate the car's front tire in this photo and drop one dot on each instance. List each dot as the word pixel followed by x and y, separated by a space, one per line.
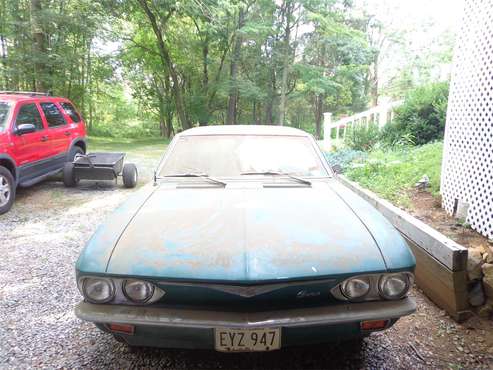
pixel 7 190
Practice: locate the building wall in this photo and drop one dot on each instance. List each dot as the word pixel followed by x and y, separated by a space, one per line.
pixel 467 170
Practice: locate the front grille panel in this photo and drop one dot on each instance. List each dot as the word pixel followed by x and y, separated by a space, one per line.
pixel 253 297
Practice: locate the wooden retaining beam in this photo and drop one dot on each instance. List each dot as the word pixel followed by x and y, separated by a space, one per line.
pixel 440 261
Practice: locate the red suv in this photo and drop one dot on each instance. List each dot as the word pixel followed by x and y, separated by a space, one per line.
pixel 38 134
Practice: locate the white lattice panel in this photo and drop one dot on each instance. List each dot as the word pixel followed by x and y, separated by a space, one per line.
pixel 467 170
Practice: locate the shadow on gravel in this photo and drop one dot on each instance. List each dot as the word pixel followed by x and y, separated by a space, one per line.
pixel 346 355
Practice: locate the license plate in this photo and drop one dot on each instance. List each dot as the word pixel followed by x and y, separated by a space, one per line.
pixel 247 340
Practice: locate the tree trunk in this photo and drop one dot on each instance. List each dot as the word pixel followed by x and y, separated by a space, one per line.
pixel 288 9
pixel 39 48
pixel 269 104
pixel 89 83
pixel 169 112
pixel 254 112
pixel 374 84
pixel 166 60
pixel 233 94
pixel 3 46
pixel 204 118
pixel 319 102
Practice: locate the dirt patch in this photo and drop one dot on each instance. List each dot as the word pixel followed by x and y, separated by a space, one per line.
pixel 428 209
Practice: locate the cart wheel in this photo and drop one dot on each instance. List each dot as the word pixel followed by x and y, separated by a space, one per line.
pixel 69 179
pixel 130 175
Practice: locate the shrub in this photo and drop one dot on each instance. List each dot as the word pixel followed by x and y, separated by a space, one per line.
pixel 344 157
pixel 421 118
pixel 125 129
pixel 392 173
pixel 362 137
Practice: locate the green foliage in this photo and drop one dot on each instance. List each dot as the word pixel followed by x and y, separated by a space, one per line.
pixel 393 173
pixel 362 137
pixel 345 157
pixel 421 118
pixel 126 144
pixel 147 68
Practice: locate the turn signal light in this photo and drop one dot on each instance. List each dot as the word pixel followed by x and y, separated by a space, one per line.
pixel 374 324
pixel 122 328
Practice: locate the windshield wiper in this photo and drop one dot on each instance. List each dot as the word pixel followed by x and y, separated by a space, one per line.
pixel 275 173
pixel 193 174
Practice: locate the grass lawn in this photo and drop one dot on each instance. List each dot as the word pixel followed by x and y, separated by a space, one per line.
pixel 145 153
pixel 109 144
pixel 392 174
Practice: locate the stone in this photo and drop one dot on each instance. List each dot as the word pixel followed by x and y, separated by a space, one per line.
pixel 487 270
pixel 486 310
pixel 474 263
pixel 462 210
pixel 475 293
pixel 489 255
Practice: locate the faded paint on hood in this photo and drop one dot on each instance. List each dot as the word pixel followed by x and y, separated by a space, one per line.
pixel 97 252
pixel 397 255
pixel 245 234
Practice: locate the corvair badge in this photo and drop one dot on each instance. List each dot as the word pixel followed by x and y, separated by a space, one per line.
pixel 307 294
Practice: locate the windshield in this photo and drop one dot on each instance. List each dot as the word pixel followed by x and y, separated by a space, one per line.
pixel 4 113
pixel 234 155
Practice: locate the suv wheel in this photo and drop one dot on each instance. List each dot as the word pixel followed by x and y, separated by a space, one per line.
pixel 7 190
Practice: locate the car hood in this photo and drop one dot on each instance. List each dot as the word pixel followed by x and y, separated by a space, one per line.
pixel 246 233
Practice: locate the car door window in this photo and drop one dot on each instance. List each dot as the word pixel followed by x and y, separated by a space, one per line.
pixel 53 115
pixel 29 114
pixel 71 112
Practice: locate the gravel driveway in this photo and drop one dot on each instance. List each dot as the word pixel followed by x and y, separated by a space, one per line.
pixel 40 240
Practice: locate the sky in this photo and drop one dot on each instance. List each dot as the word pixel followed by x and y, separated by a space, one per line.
pixel 445 13
pixel 427 26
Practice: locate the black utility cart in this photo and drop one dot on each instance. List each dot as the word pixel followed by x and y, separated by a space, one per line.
pixel 100 167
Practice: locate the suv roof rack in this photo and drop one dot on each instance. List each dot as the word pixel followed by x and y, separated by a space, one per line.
pixel 31 93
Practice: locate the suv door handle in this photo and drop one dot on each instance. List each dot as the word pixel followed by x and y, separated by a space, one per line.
pixel 67 133
pixel 44 138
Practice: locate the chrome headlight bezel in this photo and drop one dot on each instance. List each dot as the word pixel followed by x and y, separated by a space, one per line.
pixel 150 286
pixel 403 277
pixel 118 293
pixel 345 287
pixel 374 293
pixel 111 286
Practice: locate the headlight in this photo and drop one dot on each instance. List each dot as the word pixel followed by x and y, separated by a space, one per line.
pixel 394 286
pixel 356 287
pixel 137 290
pixel 98 290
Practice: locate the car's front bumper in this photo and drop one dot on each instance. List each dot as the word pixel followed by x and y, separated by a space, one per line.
pixel 186 328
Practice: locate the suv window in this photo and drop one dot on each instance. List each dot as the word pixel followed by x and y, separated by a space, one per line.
pixel 53 115
pixel 29 113
pixel 4 113
pixel 70 110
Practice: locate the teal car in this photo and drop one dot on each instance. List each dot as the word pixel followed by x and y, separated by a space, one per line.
pixel 245 241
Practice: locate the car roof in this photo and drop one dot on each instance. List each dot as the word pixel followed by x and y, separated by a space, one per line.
pixel 15 97
pixel 270 130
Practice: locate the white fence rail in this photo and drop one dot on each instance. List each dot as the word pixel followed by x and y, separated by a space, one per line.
pixel 379 115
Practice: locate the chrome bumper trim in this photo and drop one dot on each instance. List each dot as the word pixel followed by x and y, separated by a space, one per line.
pixel 325 315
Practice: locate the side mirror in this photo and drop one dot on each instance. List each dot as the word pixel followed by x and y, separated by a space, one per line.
pixel 25 128
pixel 337 169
